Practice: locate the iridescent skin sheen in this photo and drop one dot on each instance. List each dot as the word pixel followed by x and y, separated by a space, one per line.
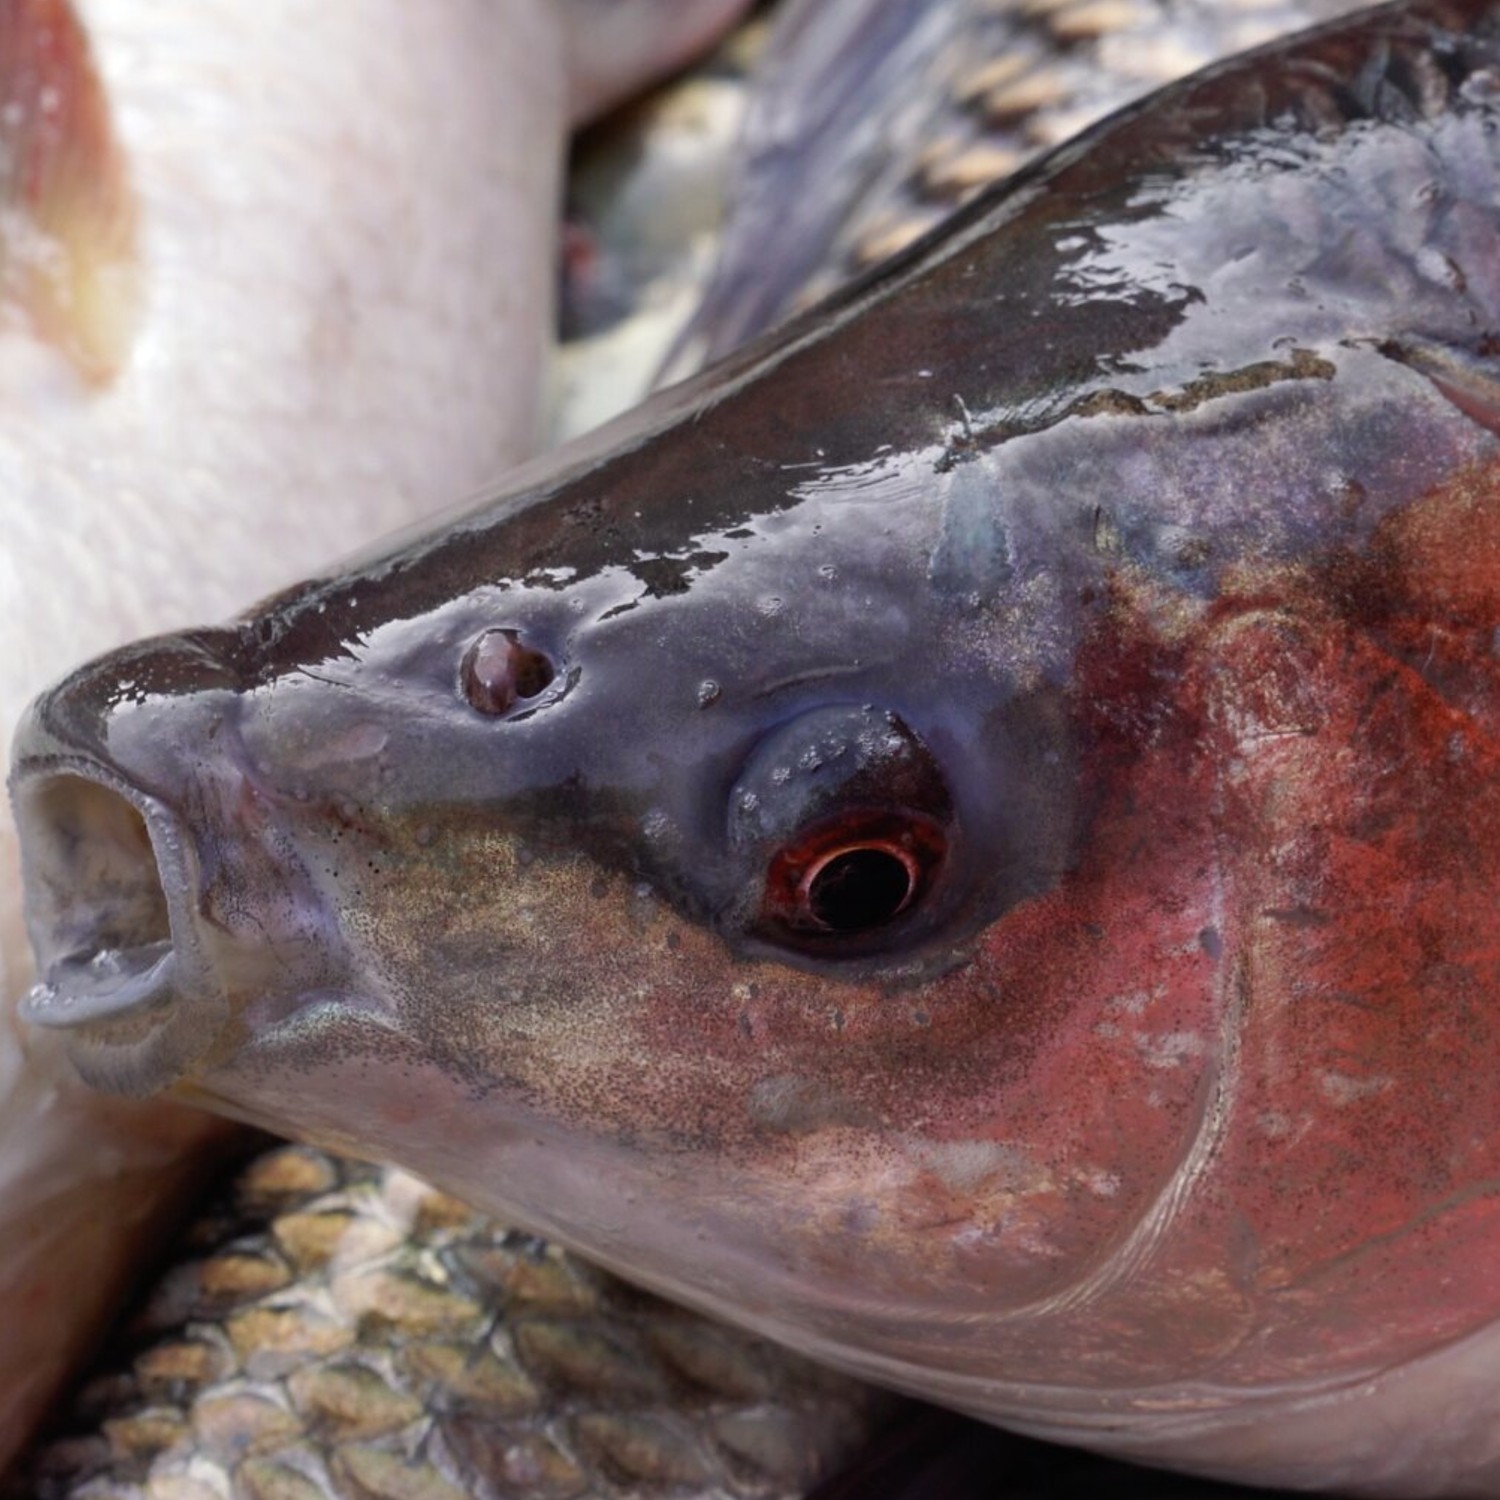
pixel 975 849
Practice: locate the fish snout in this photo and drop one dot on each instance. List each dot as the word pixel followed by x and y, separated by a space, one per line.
pixel 124 776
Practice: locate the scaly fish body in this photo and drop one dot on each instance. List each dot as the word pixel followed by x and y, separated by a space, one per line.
pixel 339 1329
pixel 870 122
pixel 962 839
pixel 878 117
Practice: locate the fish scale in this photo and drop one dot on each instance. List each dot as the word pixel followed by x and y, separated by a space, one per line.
pixel 869 122
pixel 876 119
pixel 340 1329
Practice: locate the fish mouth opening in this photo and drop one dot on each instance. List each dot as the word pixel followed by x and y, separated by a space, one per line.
pixel 107 882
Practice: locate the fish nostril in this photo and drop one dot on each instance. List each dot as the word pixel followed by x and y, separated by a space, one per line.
pixel 96 906
pixel 500 669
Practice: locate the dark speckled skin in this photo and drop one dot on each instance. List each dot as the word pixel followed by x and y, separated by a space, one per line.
pixel 1133 542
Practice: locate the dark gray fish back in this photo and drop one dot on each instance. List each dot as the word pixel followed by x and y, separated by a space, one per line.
pixel 874 119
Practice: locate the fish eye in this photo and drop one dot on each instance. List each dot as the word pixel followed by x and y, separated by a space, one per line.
pixel 852 890
pixel 500 670
pixel 842 815
pixel 853 874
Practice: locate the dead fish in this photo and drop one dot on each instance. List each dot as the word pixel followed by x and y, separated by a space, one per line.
pixel 960 839
pixel 201 313
pixel 341 1330
pixel 870 122
pixel 877 118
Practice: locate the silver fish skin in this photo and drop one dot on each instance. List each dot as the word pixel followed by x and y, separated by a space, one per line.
pixel 922 973
pixel 875 119
pixel 340 1330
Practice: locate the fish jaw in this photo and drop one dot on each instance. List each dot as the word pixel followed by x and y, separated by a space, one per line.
pixel 154 887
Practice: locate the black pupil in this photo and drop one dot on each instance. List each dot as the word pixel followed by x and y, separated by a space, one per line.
pixel 533 673
pixel 859 889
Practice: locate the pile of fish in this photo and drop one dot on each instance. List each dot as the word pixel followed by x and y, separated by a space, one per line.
pixel 961 839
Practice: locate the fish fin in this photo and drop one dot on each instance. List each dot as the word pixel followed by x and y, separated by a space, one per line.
pixel 1469 380
pixel 68 265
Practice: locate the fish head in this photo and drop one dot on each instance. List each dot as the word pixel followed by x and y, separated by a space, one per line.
pixel 599 873
pixel 746 900
pixel 965 838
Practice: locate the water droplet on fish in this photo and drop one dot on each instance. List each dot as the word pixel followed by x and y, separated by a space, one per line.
pixel 1481 87
pixel 709 693
pixel 1440 269
pixel 644 907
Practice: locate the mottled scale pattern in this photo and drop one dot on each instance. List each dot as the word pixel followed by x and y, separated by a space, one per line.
pixel 1027 75
pixel 341 1330
pixel 901 111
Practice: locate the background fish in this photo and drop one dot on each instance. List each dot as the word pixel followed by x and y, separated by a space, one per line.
pixel 343 1329
pixel 880 117
pixel 871 121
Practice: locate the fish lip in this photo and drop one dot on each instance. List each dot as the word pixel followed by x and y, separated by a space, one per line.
pixel 109 878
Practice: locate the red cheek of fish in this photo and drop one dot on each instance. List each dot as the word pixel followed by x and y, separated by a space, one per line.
pixel 1237 1070
pixel 1348 1198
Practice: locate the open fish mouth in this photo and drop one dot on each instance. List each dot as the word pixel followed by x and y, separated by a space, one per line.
pixel 172 875
pixel 109 879
pixel 99 899
pixel 138 867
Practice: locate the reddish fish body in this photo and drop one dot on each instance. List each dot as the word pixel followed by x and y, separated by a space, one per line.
pixel 964 838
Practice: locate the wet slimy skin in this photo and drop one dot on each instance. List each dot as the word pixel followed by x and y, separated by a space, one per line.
pixel 965 838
